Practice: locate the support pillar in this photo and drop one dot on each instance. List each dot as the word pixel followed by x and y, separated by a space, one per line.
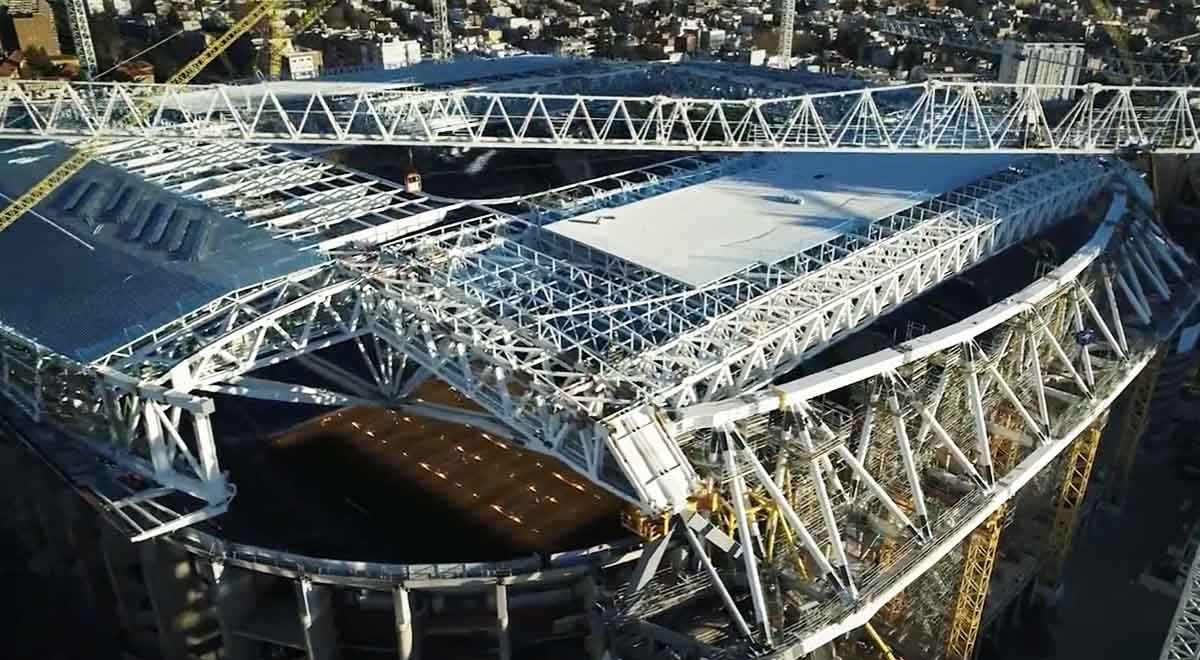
pixel 315 608
pixel 83 533
pixel 120 562
pixel 53 558
pixel 234 598
pixel 596 643
pixel 1069 504
pixel 502 621
pixel 827 652
pixel 407 636
pixel 165 573
pixel 1170 172
pixel 979 558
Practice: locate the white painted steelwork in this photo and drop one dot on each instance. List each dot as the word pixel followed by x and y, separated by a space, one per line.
pixel 1183 639
pixel 927 117
pixel 316 203
pixel 576 350
pixel 81 36
pixel 999 342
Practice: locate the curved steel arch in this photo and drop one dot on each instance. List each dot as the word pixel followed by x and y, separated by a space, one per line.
pixel 948 394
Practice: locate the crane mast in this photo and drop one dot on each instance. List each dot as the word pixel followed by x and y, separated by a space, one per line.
pixel 441 31
pixel 277 45
pixel 81 34
pixel 787 26
pixel 85 151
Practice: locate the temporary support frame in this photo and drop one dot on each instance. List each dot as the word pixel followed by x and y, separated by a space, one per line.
pixel 1068 505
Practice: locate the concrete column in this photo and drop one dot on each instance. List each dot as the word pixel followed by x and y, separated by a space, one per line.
pixel 407 642
pixel 315 603
pixel 502 621
pixel 233 598
pixel 166 573
pixel 83 533
pixel 1169 173
pixel 120 563
pixel 827 652
pixel 596 642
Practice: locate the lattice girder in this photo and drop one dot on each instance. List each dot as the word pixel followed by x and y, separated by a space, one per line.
pixel 1021 375
pixel 927 117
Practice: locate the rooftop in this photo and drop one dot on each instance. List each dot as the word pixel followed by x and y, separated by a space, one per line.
pixel 779 207
pixel 119 257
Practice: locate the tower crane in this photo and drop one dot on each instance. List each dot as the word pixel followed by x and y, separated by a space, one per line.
pixel 280 36
pixel 787 26
pixel 442 46
pixel 81 34
pixel 85 151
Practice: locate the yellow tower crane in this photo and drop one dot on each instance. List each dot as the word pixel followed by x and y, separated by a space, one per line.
pixel 280 34
pixel 1108 21
pixel 86 150
pixel 1077 471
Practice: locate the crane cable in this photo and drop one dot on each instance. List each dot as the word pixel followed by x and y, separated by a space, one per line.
pixel 149 48
pixel 138 54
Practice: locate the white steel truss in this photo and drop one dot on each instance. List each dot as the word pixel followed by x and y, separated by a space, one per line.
pixel 577 351
pixel 928 117
pixel 592 339
pixel 161 439
pixel 563 345
pixel 295 197
pixel 1034 370
pixel 81 36
pixel 1183 640
pixel 443 44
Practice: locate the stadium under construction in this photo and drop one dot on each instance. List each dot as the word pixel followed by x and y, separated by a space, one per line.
pixel 780 379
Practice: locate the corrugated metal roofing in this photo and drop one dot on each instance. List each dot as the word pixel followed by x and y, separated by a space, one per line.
pixel 112 282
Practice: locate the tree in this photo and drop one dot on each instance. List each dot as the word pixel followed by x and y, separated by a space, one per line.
pixel 358 19
pixel 110 46
pixel 767 40
pixel 37 61
pixel 336 17
pixel 805 43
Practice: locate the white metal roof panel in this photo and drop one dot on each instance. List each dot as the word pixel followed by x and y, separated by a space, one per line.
pixel 768 211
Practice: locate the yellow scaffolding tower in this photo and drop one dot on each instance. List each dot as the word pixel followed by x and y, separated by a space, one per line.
pixel 979 557
pixel 1077 471
pixel 281 34
pixel 1133 423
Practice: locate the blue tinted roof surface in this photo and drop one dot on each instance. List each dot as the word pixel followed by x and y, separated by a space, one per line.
pixel 88 293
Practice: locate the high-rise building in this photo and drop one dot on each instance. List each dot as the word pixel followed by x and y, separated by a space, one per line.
pixel 33 23
pixel 303 64
pixel 371 52
pixel 1043 63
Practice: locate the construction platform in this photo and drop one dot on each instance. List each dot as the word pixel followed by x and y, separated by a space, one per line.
pixel 709 406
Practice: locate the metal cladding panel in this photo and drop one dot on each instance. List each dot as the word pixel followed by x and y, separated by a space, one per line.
pixel 654 462
pixel 778 207
pixel 83 289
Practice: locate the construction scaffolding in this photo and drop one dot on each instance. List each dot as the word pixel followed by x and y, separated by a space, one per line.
pixel 979 558
pixel 1068 506
pixel 786 511
pixel 1134 419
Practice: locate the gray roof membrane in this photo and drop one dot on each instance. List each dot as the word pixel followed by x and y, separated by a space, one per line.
pixel 137 256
